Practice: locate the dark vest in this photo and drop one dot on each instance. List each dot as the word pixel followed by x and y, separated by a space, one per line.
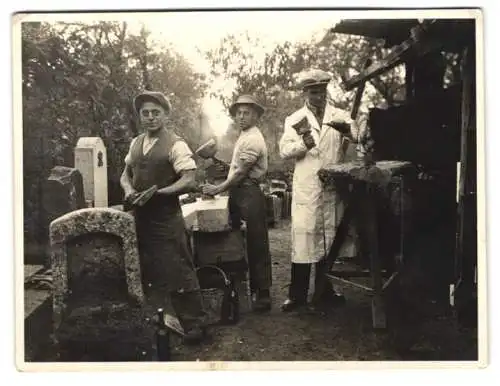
pixel 154 168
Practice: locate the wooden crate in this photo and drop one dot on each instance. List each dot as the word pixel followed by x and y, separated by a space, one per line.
pixel 215 248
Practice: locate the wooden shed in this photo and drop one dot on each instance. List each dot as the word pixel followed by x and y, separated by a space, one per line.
pixel 435 130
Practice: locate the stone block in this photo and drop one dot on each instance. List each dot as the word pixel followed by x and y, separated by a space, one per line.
pixel 91 161
pixel 95 261
pixel 62 193
pixel 211 215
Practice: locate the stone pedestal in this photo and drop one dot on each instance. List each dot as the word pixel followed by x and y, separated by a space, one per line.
pixel 96 276
pixel 91 161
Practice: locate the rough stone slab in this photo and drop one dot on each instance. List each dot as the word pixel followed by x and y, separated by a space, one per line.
pixel 89 244
pixel 189 212
pixel 208 215
pixel 62 193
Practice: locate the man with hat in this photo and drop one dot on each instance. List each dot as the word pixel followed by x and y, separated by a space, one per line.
pixel 246 200
pixel 160 157
pixel 312 142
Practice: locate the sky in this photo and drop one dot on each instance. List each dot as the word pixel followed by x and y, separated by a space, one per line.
pixel 204 30
pixel 190 32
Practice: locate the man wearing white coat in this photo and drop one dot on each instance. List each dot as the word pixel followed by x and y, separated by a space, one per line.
pixel 316 212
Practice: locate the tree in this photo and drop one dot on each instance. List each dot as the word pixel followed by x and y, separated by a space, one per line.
pixel 271 77
pixel 79 80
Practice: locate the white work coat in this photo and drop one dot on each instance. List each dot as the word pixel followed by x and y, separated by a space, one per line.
pixel 316 212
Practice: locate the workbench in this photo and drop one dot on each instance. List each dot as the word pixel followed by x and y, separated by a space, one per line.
pixel 361 188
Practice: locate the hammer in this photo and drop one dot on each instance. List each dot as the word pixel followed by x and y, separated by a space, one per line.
pixel 303 128
pixel 207 151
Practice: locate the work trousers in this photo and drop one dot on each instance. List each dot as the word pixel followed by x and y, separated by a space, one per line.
pixel 247 202
pixel 299 284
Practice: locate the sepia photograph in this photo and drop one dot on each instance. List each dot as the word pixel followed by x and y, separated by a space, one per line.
pixel 249 188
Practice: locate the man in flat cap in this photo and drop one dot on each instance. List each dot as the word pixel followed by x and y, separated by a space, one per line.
pixel 246 200
pixel 312 143
pixel 160 157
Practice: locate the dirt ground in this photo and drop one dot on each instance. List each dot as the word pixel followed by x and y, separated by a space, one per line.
pixel 342 334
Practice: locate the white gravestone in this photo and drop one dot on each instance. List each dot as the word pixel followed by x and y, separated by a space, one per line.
pixel 91 161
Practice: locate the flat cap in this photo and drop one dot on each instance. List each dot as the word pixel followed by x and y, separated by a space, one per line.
pixel 246 100
pixel 313 77
pixel 152 96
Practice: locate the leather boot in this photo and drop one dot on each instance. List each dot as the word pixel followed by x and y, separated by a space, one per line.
pixel 262 301
pixel 297 291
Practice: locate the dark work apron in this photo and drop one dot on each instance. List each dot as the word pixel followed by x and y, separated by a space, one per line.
pixel 166 260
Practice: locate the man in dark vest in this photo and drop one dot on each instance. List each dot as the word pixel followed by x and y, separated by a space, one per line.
pixel 246 200
pixel 159 157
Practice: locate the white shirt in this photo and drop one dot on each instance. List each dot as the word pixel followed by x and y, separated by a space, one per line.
pixel 180 155
pixel 250 149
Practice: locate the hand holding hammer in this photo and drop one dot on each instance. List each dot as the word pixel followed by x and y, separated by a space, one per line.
pixel 303 129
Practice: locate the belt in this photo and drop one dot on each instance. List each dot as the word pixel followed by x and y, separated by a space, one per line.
pixel 249 182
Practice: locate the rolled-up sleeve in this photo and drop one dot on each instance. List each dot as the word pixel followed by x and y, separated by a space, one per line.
pixel 181 157
pixel 249 151
pixel 128 156
pixel 291 144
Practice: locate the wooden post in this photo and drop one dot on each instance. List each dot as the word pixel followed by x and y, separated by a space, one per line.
pixel 409 80
pixel 369 237
pixel 466 253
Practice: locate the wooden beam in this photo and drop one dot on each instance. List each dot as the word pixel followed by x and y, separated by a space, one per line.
pixel 355 273
pixel 372 71
pixel 419 44
pixel 359 93
pixel 389 281
pixel 342 282
pixel 389 62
